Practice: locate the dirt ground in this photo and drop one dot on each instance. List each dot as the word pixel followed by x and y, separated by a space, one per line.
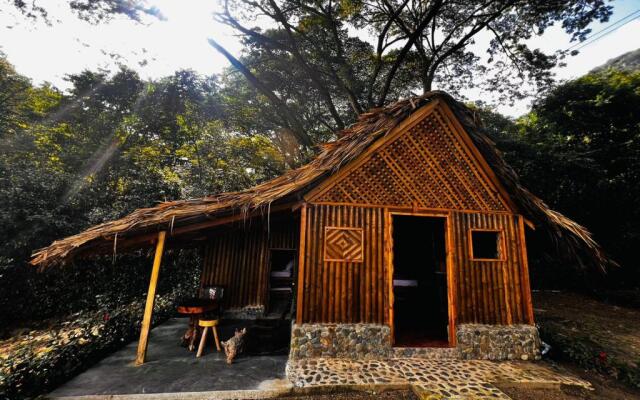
pixel 604 388
pixel 357 395
pixel 607 334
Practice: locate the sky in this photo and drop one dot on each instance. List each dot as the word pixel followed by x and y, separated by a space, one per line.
pixel 157 47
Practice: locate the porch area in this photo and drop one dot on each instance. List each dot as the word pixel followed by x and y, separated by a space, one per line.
pixel 170 368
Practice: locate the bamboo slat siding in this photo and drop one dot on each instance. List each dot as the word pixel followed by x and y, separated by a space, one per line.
pixel 490 292
pixel 428 165
pixel 344 291
pixel 283 234
pixel 238 259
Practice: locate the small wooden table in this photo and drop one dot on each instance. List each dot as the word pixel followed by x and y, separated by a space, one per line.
pixel 194 308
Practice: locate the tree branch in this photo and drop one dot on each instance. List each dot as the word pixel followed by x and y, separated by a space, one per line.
pixel 324 92
pixel 405 50
pixel 507 51
pixel 286 115
pixel 477 28
pixel 381 47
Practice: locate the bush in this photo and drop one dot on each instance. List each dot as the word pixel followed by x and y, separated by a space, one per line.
pixel 28 296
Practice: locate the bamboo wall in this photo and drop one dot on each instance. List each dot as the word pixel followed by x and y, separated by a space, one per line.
pixel 490 292
pixel 238 259
pixel 348 291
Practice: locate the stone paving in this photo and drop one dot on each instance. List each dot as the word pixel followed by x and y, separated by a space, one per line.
pixel 432 378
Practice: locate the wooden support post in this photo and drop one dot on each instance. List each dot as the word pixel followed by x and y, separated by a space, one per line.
pixel 151 296
pixel 301 262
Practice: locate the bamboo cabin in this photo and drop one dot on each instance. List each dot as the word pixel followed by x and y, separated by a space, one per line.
pixel 409 229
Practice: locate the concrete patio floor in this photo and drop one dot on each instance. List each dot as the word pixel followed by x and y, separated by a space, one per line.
pixel 172 368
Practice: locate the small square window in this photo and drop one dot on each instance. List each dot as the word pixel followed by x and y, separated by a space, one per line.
pixel 486 245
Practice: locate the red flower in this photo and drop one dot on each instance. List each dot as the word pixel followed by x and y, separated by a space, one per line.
pixel 105 317
pixel 602 357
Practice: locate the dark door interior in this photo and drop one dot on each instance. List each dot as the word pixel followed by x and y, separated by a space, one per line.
pixel 282 264
pixel 419 281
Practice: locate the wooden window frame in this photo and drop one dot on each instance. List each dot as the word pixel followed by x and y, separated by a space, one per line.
pixel 502 253
pixel 348 228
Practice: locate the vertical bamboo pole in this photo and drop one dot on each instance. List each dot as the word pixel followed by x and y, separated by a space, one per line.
pixel 151 296
pixel 388 250
pixel 451 279
pixel 526 285
pixel 301 261
pixel 506 254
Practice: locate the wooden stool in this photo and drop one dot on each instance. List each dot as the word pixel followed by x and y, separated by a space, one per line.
pixel 206 324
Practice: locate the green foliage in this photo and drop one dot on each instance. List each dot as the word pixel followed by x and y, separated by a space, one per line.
pixel 579 150
pixel 38 360
pixel 15 97
pixel 27 296
pixel 576 345
pixel 113 143
pixel 586 134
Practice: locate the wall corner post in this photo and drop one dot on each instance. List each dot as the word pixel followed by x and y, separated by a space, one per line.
pixel 528 303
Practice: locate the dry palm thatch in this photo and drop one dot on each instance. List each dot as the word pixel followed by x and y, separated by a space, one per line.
pixel 370 126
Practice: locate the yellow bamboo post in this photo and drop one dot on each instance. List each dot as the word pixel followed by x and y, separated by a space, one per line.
pixel 151 296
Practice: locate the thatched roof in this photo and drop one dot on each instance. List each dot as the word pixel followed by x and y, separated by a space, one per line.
pixel 567 235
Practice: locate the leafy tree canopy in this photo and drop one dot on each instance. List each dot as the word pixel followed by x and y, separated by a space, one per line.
pixel 579 149
pixel 317 65
pixel 112 144
pixel 91 10
pixel 313 66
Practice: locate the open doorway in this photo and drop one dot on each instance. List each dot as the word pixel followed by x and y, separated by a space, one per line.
pixel 420 306
pixel 282 264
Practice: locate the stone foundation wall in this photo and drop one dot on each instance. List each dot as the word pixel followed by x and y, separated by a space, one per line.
pixel 498 342
pixel 351 341
pixel 371 341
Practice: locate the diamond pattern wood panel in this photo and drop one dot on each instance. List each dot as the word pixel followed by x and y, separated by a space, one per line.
pixel 425 166
pixel 343 244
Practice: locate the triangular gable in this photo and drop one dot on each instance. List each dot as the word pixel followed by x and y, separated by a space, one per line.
pixel 428 162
